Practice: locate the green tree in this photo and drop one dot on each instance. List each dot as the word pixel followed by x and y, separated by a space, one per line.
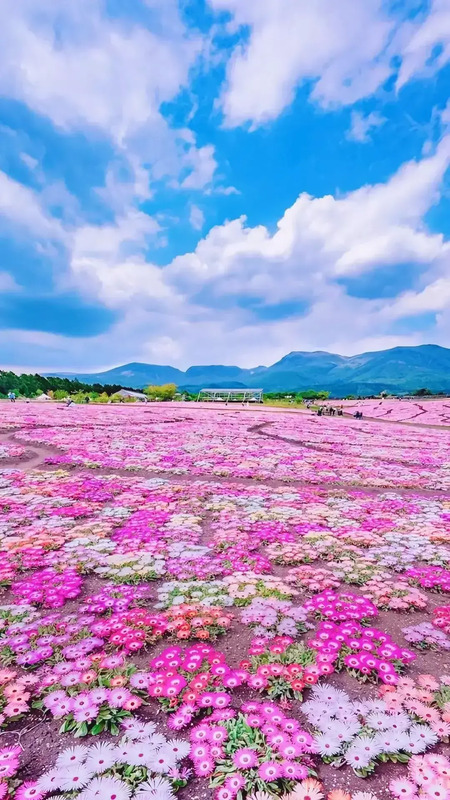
pixel 312 394
pixel 165 392
pixel 422 393
pixel 60 394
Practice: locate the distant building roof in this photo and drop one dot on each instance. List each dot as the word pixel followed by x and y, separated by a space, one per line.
pixel 129 393
pixel 254 395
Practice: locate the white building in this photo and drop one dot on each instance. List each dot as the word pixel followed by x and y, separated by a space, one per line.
pixel 136 395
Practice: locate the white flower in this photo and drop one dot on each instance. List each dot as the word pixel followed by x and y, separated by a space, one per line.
pixel 72 756
pixel 141 755
pixel 180 748
pixel 139 730
pixel 379 721
pixel 327 745
pixel 155 789
pixel 105 789
pixel 163 761
pixel 74 777
pixel 420 738
pixel 50 780
pixel 157 740
pixel 101 757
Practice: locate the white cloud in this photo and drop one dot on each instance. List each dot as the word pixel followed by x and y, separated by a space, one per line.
pixel 108 261
pixel 88 72
pixel 361 125
pixel 29 161
pixel 318 241
pixel 7 283
pixel 22 206
pixel 336 46
pixel 95 72
pixel 345 50
pixel 202 165
pixel 429 33
pixel 196 218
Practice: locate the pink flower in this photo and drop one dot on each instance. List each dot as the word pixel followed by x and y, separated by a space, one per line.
pixel 245 758
pixel 270 771
pixel 29 791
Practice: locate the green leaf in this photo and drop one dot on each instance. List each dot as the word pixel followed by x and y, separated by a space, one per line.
pixel 98 728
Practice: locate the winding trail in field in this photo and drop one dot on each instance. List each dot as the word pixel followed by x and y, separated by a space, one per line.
pixel 35 458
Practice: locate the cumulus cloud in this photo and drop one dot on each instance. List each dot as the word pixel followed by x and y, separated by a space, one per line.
pixel 108 77
pixel 179 309
pixel 319 239
pixel 108 261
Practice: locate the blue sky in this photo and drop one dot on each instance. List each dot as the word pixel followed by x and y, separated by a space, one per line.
pixel 221 181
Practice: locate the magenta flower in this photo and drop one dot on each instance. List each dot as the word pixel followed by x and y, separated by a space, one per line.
pixel 270 771
pixel 245 758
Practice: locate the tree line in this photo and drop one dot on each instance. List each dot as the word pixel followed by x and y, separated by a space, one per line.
pixel 33 385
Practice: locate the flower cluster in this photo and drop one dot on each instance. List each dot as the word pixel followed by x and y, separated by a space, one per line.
pixel 115 599
pixel 367 653
pixel 257 749
pixel 244 586
pixel 312 578
pixel 426 699
pixel 282 668
pixel 403 553
pixel 92 695
pixel 9 766
pixel 271 617
pixel 187 682
pixel 206 593
pixel 340 606
pixel 441 618
pixel 357 569
pixel 303 552
pixel 132 567
pixel 425 636
pixel 15 693
pixel 131 630
pixel 49 587
pixel 49 637
pixel 143 765
pixel 434 578
pixel 12 614
pixel 194 621
pixel 394 595
pixel 193 565
pixel 361 734
pixel 428 778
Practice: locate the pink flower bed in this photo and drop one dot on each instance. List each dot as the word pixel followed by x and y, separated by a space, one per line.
pixel 327 540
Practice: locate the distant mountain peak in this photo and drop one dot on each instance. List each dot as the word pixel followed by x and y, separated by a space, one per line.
pixel 398 369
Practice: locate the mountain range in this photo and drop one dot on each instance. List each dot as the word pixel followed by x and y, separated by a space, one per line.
pixel 400 369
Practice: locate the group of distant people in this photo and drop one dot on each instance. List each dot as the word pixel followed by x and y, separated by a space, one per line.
pixel 12 397
pixel 323 411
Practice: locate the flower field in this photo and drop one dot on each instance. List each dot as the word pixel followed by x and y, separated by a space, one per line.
pixel 420 411
pixel 222 604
